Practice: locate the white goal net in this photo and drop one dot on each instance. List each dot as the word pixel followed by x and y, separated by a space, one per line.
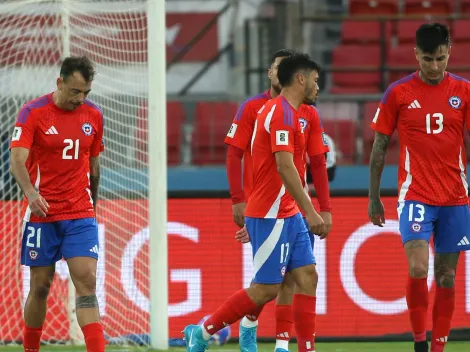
pixel 34 36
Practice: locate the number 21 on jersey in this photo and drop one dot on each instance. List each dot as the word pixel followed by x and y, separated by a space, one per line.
pixel 72 145
pixel 434 123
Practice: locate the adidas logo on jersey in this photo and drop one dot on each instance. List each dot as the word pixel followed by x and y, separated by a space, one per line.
pixel 414 105
pixel 94 249
pixel 464 241
pixel 52 130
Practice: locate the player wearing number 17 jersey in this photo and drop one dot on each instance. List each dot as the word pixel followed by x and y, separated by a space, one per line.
pixel 54 158
pixel 430 110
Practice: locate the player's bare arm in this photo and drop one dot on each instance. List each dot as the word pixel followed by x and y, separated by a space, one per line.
pixel 94 178
pixel 377 163
pixel 291 179
pixel 37 203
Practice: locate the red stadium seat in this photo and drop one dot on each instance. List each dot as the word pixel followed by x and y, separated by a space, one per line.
pixel 364 32
pixel 344 133
pixel 464 6
pixel 356 57
pixel 461 32
pixel 428 6
pixel 406 30
pixel 458 61
pixel 212 122
pixel 373 7
pixel 175 117
pixel 402 58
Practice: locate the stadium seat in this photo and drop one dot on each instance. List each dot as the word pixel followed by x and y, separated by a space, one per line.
pixel 364 32
pixel 373 7
pixel 356 57
pixel 212 121
pixel 428 7
pixel 175 117
pixel 458 61
pixel 406 31
pixel 402 58
pixel 344 134
pixel 461 31
pixel 464 6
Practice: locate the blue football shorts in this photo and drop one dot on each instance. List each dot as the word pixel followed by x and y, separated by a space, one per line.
pixel 279 245
pixel 45 243
pixel 449 224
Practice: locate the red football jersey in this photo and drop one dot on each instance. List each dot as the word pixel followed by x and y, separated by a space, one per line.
pixel 241 131
pixel 315 140
pixel 60 143
pixel 431 121
pixel 277 128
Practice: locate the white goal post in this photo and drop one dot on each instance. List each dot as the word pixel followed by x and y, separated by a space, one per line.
pixel 126 41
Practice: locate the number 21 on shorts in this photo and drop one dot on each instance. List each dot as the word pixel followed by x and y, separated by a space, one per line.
pixel 33 239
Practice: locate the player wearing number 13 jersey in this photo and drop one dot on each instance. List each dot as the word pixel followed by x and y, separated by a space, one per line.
pixel 54 158
pixel 430 109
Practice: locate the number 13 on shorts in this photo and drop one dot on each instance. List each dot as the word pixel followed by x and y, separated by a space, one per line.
pixel 416 221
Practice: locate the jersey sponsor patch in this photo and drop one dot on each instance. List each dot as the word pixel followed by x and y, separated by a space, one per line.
pixel 16 134
pixel 232 130
pixel 282 137
pixel 323 137
pixel 87 129
pixel 455 102
pixel 303 123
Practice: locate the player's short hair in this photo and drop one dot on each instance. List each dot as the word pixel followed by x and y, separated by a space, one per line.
pixel 80 64
pixel 281 53
pixel 292 64
pixel 431 36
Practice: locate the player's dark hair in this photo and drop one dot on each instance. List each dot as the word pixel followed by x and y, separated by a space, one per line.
pixel 80 64
pixel 293 64
pixel 281 53
pixel 431 36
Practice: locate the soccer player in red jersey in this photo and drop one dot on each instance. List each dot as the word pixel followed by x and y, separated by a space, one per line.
pixel 429 108
pixel 238 139
pixel 273 220
pixel 55 151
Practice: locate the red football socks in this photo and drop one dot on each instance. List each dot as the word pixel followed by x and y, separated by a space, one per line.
pixel 94 337
pixel 254 315
pixel 228 313
pixel 304 313
pixel 31 339
pixel 442 312
pixel 417 297
pixel 284 322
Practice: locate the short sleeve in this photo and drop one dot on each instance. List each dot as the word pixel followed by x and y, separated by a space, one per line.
pixel 23 133
pixel 241 130
pixel 385 119
pixel 281 129
pixel 317 143
pixel 98 143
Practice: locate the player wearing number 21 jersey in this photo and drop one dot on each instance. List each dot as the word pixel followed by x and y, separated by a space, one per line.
pixel 55 149
pixel 60 144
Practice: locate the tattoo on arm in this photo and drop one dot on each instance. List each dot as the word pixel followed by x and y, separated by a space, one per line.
pixel 445 267
pixel 377 163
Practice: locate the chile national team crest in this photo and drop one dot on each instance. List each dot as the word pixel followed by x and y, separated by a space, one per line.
pixel 87 129
pixel 303 123
pixel 455 102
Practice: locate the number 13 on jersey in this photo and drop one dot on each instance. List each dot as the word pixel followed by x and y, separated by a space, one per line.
pixel 434 123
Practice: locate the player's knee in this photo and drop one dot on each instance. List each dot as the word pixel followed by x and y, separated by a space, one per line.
pixel 418 270
pixel 85 283
pixel 307 280
pixel 40 291
pixel 262 294
pixel 445 277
